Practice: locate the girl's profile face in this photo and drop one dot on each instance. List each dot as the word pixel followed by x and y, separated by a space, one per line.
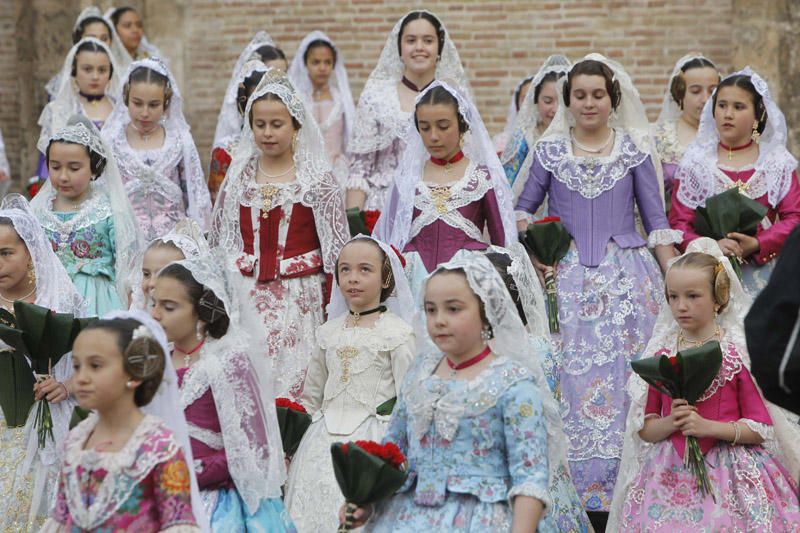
pixel 438 127
pixel 92 72
pixel 589 101
pixel 453 315
pixel 175 311
pixel 14 261
pixel 700 85
pixel 547 104
pixel 156 258
pixel 70 169
pixel 146 105
pixel 99 377
pixel 273 127
pixel 419 47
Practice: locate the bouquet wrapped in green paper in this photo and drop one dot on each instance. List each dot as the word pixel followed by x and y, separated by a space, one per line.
pixel 367 472
pixel 293 421
pixel 42 336
pixel 729 212
pixel 686 376
pixel 362 222
pixel 549 241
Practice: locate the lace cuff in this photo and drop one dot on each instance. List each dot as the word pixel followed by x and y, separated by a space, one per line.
pixel 359 184
pixel 534 491
pixel 661 237
pixel 766 431
pixel 182 528
pixel 523 216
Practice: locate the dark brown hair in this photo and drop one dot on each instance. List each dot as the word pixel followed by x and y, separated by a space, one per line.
pixel 440 95
pixel 744 82
pixel 417 15
pixel 90 46
pixel 677 87
pixel 77 35
pixel 147 75
pixel 272 97
pixel 197 294
pixel 591 67
pixel 550 76
pixel 316 44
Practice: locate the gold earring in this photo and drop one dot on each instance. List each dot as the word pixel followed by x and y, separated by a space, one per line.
pixel 461 141
pixel 294 142
pixel 756 136
pixel 31 274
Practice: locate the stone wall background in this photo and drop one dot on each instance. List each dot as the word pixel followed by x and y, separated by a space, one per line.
pixel 500 42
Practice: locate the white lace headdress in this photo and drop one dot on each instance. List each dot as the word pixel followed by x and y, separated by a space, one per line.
pixel 187 237
pixel 319 190
pixel 629 116
pixel 394 224
pixel 400 302
pixel 229 121
pixel 199 207
pixel 54 288
pixel 781 439
pixel 166 405
pixel 66 100
pixel 242 388
pixel 698 168
pixel 127 240
pixel 670 110
pixel 339 82
pixel 382 85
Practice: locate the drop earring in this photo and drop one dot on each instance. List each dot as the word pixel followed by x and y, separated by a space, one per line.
pixel 199 331
pixel 755 135
pixel 129 384
pixel 485 335
pixel 31 274
pixel 294 142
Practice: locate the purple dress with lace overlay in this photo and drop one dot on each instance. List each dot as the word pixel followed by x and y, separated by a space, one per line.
pixel 609 294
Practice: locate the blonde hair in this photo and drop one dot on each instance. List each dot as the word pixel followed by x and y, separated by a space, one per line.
pixel 717 275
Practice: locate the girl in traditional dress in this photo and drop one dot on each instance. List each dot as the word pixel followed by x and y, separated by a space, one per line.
pixel 319 75
pixel 517 97
pixel 751 451
pixel 280 219
pixel 469 417
pixel 536 112
pixel 260 54
pixel 741 143
pixel 127 466
pixel 609 284
pixel 131 44
pixel 444 197
pixel 690 85
pixel 185 241
pixel 365 350
pixel 227 402
pixel 31 273
pixel 87 217
pixel 156 154
pixel 89 84
pixel 417 51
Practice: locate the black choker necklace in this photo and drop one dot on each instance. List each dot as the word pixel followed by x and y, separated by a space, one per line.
pixel 356 315
pixel 411 85
pixel 92 97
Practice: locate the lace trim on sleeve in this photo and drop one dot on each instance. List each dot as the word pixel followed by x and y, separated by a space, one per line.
pixel 766 431
pixel 532 490
pixel 662 237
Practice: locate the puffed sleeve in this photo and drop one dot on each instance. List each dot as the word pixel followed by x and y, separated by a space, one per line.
pixel 172 492
pixel 526 442
pixel 535 189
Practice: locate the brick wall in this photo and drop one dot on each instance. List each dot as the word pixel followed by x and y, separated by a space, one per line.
pixel 499 41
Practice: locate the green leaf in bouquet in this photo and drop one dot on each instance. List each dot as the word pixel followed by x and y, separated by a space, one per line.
pixel 649 369
pixel 700 366
pixel 549 241
pixel 362 477
pixel 727 212
pixel 79 414
pixel 356 221
pixel 293 425
pixel 16 381
pixel 386 408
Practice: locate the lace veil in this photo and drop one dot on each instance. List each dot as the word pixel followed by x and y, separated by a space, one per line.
pixel 66 100
pixel 671 111
pixel 781 440
pixel 400 302
pixel 382 85
pixel 242 388
pixel 187 237
pixel 199 207
pixel 394 224
pixel 319 190
pixel 229 121
pixel 339 83
pixel 127 240
pixel 629 116
pixel 698 167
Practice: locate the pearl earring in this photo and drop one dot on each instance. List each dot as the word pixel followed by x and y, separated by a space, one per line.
pixel 129 384
pixel 485 335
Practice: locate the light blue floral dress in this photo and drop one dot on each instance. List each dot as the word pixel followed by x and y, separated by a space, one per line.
pixel 472 446
pixel 84 241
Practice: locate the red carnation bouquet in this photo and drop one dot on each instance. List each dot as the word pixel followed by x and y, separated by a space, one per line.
pixel 293 421
pixel 685 375
pixel 367 472
pixel 549 241
pixel 362 222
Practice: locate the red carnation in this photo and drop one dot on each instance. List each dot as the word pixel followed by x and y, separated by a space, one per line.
pixel 399 255
pixel 289 404
pixel 674 362
pixel 548 219
pixel 388 452
pixel 371 218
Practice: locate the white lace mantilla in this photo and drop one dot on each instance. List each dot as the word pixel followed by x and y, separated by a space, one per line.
pixel 589 176
pixel 93 210
pixel 667 143
pixel 379 118
pixel 126 468
pixel 444 407
pixel 470 188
